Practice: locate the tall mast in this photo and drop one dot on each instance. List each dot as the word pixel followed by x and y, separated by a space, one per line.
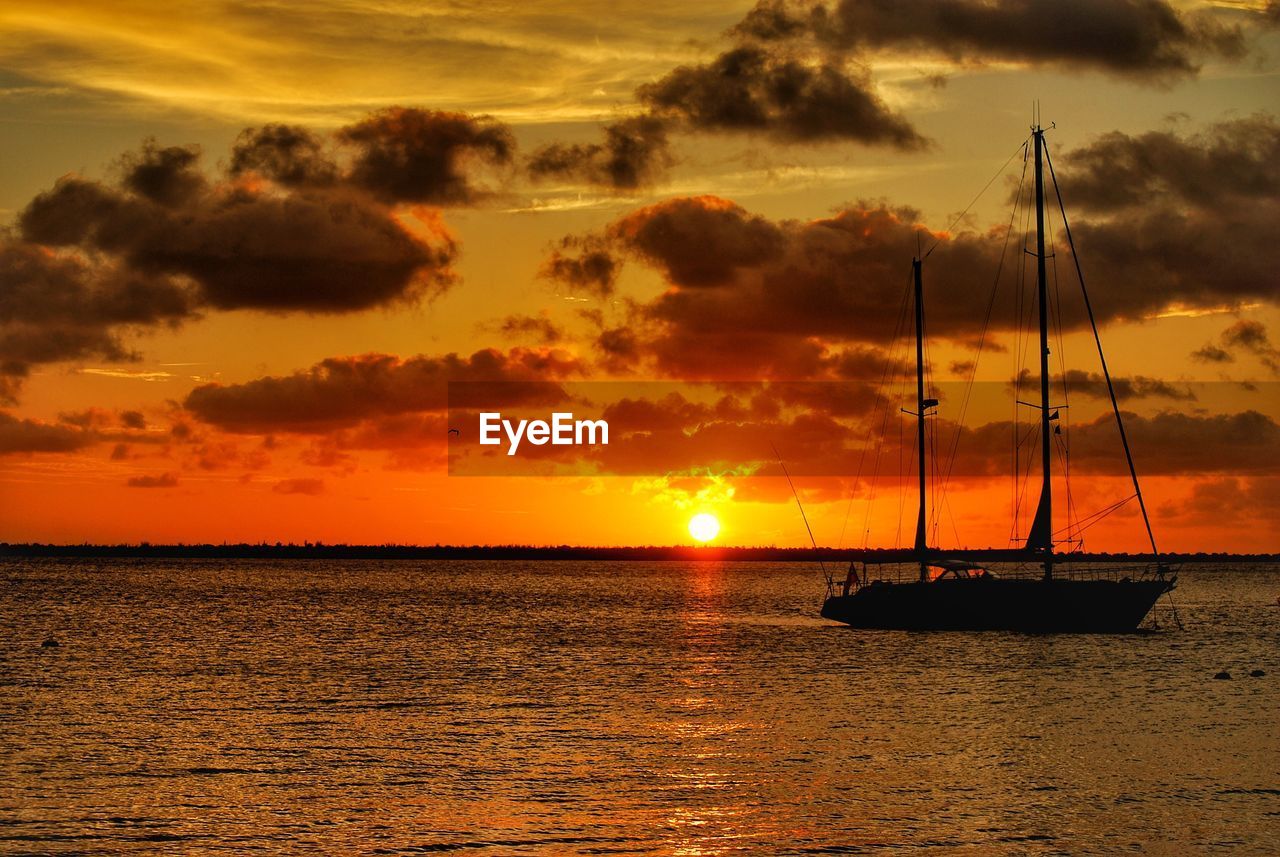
pixel 1041 535
pixel 921 523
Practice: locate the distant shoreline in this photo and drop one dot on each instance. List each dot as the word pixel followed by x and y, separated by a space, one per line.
pixel 683 553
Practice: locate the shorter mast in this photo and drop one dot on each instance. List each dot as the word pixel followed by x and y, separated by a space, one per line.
pixel 920 525
pixel 922 407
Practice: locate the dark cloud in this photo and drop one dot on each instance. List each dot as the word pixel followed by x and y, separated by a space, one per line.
pixel 288 155
pixel 1165 257
pixel 1172 443
pixel 399 155
pixel 751 89
pixel 169 176
pixel 62 307
pixel 635 152
pixel 75 430
pixel 1228 501
pixel 314 251
pixel 584 264
pixel 86 419
pixel 746 286
pixel 794 72
pixel 164 480
pixel 406 154
pixel 1251 336
pixel 619 348
pixel 1144 39
pixel 699 241
pixel 1211 353
pixel 1248 334
pixel 536 327
pixel 749 295
pixel 304 486
pixel 291 227
pixel 342 391
pixel 1245 335
pixel 28 436
pixel 1178 220
pixel 1094 385
pixel 1165 444
pixel 1232 163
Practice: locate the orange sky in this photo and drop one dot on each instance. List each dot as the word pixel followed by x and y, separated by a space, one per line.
pixel 248 249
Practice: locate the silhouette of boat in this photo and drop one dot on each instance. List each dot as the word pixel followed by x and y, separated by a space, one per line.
pixel 948 592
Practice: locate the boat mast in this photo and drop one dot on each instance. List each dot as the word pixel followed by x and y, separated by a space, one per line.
pixel 1041 535
pixel 921 522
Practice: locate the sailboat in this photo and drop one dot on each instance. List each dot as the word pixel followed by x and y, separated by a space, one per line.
pixel 953 593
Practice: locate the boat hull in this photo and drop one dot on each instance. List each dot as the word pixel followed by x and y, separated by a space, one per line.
pixel 1000 604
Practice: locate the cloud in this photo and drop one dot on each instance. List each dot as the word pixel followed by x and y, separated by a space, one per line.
pixel 698 241
pixel 405 154
pixel 1210 353
pixel 289 155
pixel 537 327
pixel 164 480
pixel 620 348
pixel 1251 336
pixel 635 152
pixel 751 89
pixel 56 307
pixel 312 251
pixel 749 296
pixel 747 88
pixel 28 436
pixel 583 264
pixel 796 72
pixel 398 154
pixel 1165 444
pixel 342 391
pixel 1178 221
pixel 1094 385
pixel 1140 39
pixel 304 486
pixel 1245 335
pixel 758 289
pixel 299 222
pixel 1231 163
pixel 1228 501
pixel 167 176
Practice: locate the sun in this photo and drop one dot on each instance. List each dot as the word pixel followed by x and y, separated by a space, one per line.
pixel 704 527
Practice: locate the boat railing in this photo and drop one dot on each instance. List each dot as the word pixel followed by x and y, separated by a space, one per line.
pixel 910 572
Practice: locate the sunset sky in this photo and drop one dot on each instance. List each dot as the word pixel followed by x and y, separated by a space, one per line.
pixel 252 253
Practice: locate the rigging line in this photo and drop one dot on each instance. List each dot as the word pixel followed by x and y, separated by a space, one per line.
pixel 1064 460
pixel 884 378
pixel 982 338
pixel 1065 434
pixel 803 516
pixel 1106 373
pixel 884 423
pixel 1021 148
pixel 1099 514
pixel 1115 508
pixel 1023 310
pixel 1032 439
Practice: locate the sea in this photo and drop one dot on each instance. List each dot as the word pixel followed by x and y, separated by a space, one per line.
pixel 401 707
